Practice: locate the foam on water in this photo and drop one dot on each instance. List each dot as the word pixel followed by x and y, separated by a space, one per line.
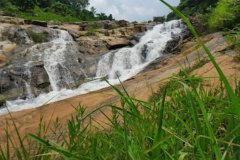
pixel 123 64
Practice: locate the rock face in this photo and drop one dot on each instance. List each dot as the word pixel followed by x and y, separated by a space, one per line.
pixel 102 36
pixel 28 72
pixel 172 45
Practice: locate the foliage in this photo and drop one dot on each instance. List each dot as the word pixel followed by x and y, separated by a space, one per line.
pixel 38 37
pixel 91 31
pixel 233 36
pixel 10 10
pixel 25 5
pixel 225 15
pixel 64 8
pixel 159 19
pixel 193 7
pixel 47 16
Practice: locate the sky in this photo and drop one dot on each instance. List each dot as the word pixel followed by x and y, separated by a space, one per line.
pixel 132 10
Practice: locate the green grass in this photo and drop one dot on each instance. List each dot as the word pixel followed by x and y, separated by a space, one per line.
pixel 172 125
pixel 183 121
pixel 47 16
pixel 233 37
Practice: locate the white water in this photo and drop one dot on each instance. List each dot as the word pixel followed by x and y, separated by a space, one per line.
pixel 123 64
pixel 55 57
pixel 30 94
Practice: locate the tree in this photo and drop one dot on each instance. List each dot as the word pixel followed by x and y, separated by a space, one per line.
pixel 110 17
pixel 25 5
pixel 102 16
pixel 3 3
pixel 160 19
pixel 45 3
pixel 93 10
pixel 77 5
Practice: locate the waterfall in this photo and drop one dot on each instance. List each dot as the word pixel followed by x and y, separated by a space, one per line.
pixel 54 58
pixel 27 83
pixel 120 64
pixel 127 62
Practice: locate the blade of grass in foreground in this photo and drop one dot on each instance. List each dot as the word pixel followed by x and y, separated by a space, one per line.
pixel 235 102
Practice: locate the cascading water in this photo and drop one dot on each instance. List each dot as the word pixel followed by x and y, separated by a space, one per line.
pixel 30 94
pixel 128 61
pixel 54 58
pixel 122 64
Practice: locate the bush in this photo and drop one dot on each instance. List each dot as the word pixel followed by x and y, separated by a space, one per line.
pixel 233 36
pixel 61 9
pixel 10 10
pixel 225 15
pixel 25 5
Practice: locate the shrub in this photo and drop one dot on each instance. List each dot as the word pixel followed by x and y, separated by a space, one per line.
pixel 92 29
pixel 10 10
pixel 61 9
pixel 233 36
pixel 225 15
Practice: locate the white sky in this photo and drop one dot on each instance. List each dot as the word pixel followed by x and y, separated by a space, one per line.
pixel 133 10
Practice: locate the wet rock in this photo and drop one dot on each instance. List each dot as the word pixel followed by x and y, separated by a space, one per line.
pixel 4 82
pixel 17 35
pixel 172 44
pixel 39 77
pixel 135 39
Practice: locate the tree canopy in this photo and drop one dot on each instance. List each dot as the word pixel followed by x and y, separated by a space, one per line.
pixel 74 8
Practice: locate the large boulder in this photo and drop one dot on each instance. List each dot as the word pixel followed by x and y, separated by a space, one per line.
pixel 116 43
pixel 92 45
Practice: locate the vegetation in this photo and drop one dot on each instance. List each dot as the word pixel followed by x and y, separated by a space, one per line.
pixel 193 7
pixel 58 10
pixel 225 15
pixel 214 15
pixel 193 122
pixel 38 37
pixel 160 19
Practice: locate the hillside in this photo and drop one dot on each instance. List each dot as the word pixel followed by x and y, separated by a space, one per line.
pixel 56 11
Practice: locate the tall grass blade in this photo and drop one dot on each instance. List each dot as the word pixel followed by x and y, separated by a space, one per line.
pixel 234 100
pixel 22 146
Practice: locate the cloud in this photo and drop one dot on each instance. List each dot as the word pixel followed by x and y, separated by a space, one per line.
pixel 132 10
